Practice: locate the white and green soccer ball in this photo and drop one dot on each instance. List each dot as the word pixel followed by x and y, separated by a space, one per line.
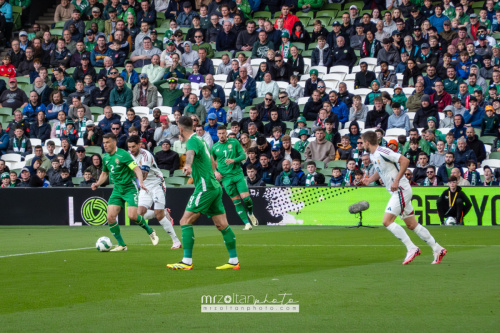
pixel 103 244
pixel 450 221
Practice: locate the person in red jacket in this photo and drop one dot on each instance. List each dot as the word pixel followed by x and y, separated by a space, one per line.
pixel 7 69
pixel 289 19
pixel 440 98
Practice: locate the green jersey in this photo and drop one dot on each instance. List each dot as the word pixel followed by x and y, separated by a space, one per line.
pixel 229 149
pixel 120 166
pixel 203 176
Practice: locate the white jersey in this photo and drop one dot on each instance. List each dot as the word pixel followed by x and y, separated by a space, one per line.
pixel 146 162
pixel 386 163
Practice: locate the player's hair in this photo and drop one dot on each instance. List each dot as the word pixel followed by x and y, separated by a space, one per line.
pixel 134 139
pixel 452 179
pixel 185 122
pixel 221 127
pixel 109 136
pixel 311 163
pixel 371 137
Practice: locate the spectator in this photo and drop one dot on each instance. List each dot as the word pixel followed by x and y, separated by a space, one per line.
pixel 166 56
pixel 200 131
pixel 93 135
pixel 142 56
pixel 420 171
pixel 273 123
pixel 189 57
pixel 378 117
pixel 167 131
pixel 121 95
pixel 438 158
pixel 463 154
pixel 279 70
pixel 31 110
pixel 145 93
pixel 268 86
pixel 64 11
pixel 294 90
pixel 476 145
pixel 489 179
pixel 288 110
pixel 66 180
pixel 201 44
pixel 320 149
pixel 415 101
pixel 240 94
pixel 389 53
pixel 364 77
pixel 253 178
pixel 63 83
pixel 166 158
pixel 322 54
pixel 343 55
pixel 82 162
pixel 399 118
pixel 226 38
pixel 109 118
pixel 194 107
pixel 474 115
pixel 425 111
pixel 459 130
pixel 339 108
pixel 40 129
pixel 288 18
pixel 101 95
pixel 169 94
pixel 14 97
pixel 132 122
pixel 490 123
pixel 19 143
pixel 252 118
pixel 185 18
pixel 460 205
pixel 176 70
pixel 422 143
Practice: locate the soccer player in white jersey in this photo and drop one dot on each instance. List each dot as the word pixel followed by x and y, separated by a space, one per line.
pixel 155 184
pixel 391 166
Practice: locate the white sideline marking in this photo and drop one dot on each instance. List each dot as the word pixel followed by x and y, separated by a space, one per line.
pixel 150 294
pixel 43 252
pixel 251 245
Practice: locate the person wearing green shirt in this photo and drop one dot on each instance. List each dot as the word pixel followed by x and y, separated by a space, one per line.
pixel 206 198
pixel 121 95
pixel 123 170
pixel 422 143
pixel 307 5
pixel 81 5
pixel 462 17
pixel 126 10
pixel 169 94
pixel 228 155
pixel 96 18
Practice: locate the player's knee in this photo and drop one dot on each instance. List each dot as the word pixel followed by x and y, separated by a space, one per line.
pixel 159 214
pixel 142 210
pixel 236 198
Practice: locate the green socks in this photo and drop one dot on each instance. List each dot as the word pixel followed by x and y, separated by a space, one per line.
pixel 187 240
pixel 115 230
pixel 142 223
pixel 248 204
pixel 229 240
pixel 241 211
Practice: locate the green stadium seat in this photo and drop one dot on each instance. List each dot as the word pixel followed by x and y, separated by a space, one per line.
pixel 56 32
pixel 301 46
pixel 478 4
pixel 337 164
pixel 157 149
pixel 310 29
pixel 307 53
pixel 326 13
pixel 311 46
pixel 179 173
pixel 219 54
pixel 257 100
pixel 332 6
pixel 301 14
pixel 5 115
pixel 487 139
pixel 320 164
pixel 77 180
pixel 494 155
pixel 264 14
pixel 162 30
pixel 176 181
pixel 93 150
pixel 59 24
pixel 166 173
pixel 305 21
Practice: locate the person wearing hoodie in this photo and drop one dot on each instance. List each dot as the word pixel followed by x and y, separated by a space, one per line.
pixel 425 111
pixel 339 108
pixel 189 57
pixel 490 123
pixel 399 118
pixel 108 120
pixel 354 133
pixel 370 97
pixel 274 122
pixel 322 54
pixel 344 149
pixel 453 202
pixel 459 127
pixel 438 157
pixel 19 143
pixel 388 53
pixel 414 102
pixel 399 96
pixel 320 149
pixel 386 78
pixel 378 117
pixel 253 177
pixel 440 98
pixel 447 121
pixel 474 116
pixel 463 67
pixel 312 107
pixel 476 145
pixel 299 34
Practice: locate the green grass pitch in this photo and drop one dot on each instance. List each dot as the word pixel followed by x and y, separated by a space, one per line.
pixel 345 280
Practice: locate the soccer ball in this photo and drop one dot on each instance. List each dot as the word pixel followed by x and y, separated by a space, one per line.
pixel 450 221
pixel 103 244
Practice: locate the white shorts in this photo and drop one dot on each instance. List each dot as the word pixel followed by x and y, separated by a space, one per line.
pixel 400 203
pixel 155 195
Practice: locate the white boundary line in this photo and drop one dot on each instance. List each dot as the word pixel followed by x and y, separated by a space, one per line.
pixel 250 245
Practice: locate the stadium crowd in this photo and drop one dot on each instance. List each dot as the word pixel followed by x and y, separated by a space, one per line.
pixel 296 82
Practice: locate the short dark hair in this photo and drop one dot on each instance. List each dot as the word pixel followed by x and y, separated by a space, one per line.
pixel 109 136
pixel 311 163
pixel 221 127
pixel 251 167
pixel 134 139
pixel 185 122
pixel 371 137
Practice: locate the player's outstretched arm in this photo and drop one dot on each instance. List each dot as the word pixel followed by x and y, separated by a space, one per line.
pixel 189 161
pixel 138 175
pixel 102 178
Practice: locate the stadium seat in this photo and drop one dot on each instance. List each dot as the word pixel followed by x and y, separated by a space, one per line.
pixel 141 110
pixel 493 156
pixel 343 132
pixel 395 132
pixel 301 14
pixel 320 164
pixel 337 164
pixel 93 150
pixel 80 142
pixel 487 139
pixel 77 180
pixel 326 13
pixel 372 62
pixel 320 69
pixel 408 91
pixel 11 157
pixel 491 163
pixel 308 54
pixel 35 142
pixel 176 181
pixel 165 109
pixel 119 110
pixel 302 100
pixel 179 173
pixel 166 173
pixel 5 115
pixel 361 124
pixel 263 14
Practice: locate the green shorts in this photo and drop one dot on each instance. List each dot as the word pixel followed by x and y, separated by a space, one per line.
pixel 120 195
pixel 208 203
pixel 235 185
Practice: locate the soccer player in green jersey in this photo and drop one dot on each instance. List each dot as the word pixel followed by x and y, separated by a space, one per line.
pixel 227 155
pixel 206 199
pixel 123 170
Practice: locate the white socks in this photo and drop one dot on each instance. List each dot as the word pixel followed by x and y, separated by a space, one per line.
pixel 426 236
pixel 169 228
pixel 401 234
pixel 187 261
pixel 233 261
pixel 150 214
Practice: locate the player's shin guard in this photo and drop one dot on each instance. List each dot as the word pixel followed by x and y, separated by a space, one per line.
pixel 241 211
pixel 230 241
pixel 248 204
pixel 142 223
pixel 150 214
pixel 401 234
pixel 187 240
pixel 426 236
pixel 115 230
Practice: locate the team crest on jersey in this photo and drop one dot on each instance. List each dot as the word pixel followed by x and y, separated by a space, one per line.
pixel 230 146
pixel 117 161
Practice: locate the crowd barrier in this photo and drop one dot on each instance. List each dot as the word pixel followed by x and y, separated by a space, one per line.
pixel 272 205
